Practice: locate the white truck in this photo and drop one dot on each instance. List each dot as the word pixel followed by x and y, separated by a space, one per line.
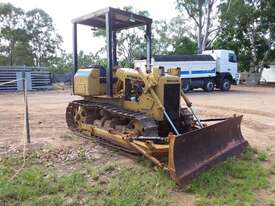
pixel 213 68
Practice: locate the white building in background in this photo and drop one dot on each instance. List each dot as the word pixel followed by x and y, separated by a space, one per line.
pixel 268 75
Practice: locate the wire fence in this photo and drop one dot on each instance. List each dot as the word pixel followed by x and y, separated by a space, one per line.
pixel 26 132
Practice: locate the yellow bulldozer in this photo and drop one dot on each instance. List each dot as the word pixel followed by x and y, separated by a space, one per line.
pixel 139 111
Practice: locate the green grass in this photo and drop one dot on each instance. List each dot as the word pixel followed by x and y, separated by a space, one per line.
pixel 135 186
pixel 32 185
pixel 230 183
pixel 101 185
pixel 263 156
pixel 272 168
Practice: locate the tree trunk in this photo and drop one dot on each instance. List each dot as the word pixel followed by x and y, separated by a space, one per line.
pixel 199 43
pixel 259 64
pixel 199 38
pixel 253 68
pixel 205 37
pixel 12 44
pixel 263 61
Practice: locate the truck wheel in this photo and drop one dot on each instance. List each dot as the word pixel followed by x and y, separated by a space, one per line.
pixel 225 85
pixel 186 85
pixel 208 85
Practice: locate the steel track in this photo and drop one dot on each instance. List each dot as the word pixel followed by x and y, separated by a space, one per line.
pixel 149 126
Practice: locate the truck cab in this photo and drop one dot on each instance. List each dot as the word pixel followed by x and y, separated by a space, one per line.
pixel 226 65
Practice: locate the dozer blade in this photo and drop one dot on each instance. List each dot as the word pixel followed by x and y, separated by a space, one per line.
pixel 195 151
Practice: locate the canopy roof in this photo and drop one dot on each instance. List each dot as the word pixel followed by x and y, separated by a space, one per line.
pixel 120 19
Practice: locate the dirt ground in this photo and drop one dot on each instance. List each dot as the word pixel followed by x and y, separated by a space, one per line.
pixel 256 104
pixel 48 127
pixel 46 114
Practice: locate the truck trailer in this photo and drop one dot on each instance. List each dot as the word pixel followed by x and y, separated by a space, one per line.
pixel 210 70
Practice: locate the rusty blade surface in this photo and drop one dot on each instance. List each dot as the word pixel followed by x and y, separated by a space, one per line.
pixel 195 151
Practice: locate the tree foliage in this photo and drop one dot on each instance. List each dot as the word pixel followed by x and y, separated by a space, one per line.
pixel 171 37
pixel 185 45
pixel 64 63
pixel 13 30
pixel 245 26
pixel 162 43
pixel 203 16
pixel 44 41
pixel 131 43
pixel 168 37
pixel 27 38
pixel 249 29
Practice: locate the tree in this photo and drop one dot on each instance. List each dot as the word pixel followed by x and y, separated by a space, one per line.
pixel 131 43
pixel 168 37
pixel 3 60
pixel 249 29
pixel 44 40
pixel 13 30
pixel 27 38
pixel 23 54
pixel 172 37
pixel 85 60
pixel 201 12
pixel 161 40
pixel 64 63
pixel 185 45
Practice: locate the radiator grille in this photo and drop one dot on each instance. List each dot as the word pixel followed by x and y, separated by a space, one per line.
pixel 172 100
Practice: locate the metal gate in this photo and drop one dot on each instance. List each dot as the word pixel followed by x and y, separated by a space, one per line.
pixel 38 78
